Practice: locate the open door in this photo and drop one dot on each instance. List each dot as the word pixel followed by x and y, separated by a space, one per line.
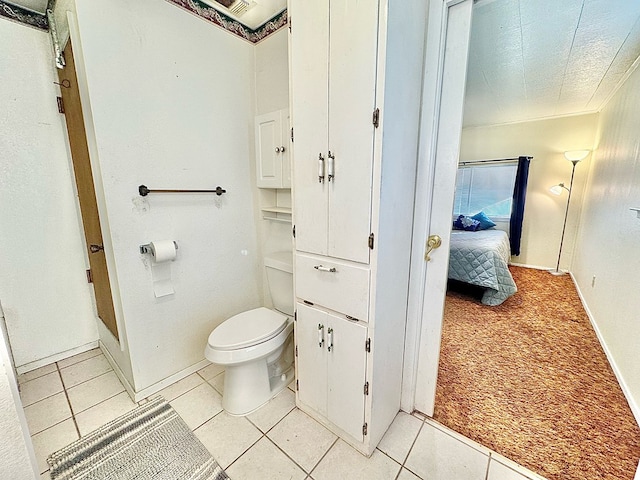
pixel 441 128
pixel 86 191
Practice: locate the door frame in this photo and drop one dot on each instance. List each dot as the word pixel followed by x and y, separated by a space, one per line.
pixel 442 102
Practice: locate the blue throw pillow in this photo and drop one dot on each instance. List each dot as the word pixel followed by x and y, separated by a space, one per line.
pixel 466 223
pixel 485 222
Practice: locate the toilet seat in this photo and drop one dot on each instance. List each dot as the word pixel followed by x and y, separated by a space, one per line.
pixel 247 329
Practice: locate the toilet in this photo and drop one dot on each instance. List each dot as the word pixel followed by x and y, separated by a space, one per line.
pixel 256 346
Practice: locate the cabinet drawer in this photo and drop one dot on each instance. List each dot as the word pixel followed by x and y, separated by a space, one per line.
pixel 333 284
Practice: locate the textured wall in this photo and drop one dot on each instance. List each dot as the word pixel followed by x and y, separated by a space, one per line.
pixel 607 243
pixel 546 141
pixel 173 103
pixel 44 291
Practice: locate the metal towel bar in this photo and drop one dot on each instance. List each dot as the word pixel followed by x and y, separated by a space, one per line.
pixel 143 190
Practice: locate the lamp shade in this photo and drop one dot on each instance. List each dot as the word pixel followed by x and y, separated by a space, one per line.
pixel 576 155
pixel 556 189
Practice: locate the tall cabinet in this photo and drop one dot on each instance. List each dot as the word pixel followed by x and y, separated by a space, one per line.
pixel 356 70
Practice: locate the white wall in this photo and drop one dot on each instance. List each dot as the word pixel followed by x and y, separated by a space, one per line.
pixel 546 141
pixel 172 99
pixel 45 294
pixel 607 242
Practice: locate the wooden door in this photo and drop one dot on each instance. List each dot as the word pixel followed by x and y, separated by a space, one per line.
pixel 309 104
pixel 86 191
pixel 311 334
pixel 268 150
pixel 346 368
pixel 353 50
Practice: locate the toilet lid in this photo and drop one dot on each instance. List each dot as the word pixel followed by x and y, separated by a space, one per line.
pixel 247 328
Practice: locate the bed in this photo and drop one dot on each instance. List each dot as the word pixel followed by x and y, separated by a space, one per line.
pixel 481 258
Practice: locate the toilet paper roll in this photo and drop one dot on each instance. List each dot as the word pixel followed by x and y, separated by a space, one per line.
pixel 163 251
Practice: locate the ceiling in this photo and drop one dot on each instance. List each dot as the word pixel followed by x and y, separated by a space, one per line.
pixel 257 11
pixel 532 59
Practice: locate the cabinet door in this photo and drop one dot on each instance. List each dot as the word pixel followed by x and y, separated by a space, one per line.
pixel 312 357
pixel 347 360
pixel 268 154
pixel 352 90
pixel 309 103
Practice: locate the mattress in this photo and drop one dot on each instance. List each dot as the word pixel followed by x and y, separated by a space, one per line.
pixel 482 258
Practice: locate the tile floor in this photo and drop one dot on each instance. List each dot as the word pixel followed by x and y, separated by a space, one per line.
pixel 70 398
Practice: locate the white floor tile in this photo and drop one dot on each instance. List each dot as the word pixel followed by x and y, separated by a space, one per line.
pixel 344 462
pixel 302 438
pixel 38 372
pixel 35 390
pixel 46 413
pixel 407 475
pixel 211 371
pixel 227 437
pixel 266 462
pixel 438 456
pixel 275 410
pixel 496 457
pixel 400 437
pixel 45 476
pixel 180 387
pixel 84 370
pixel 102 413
pixel 498 471
pixel 51 440
pixel 79 357
pixel 198 405
pixel 94 391
pixel 217 382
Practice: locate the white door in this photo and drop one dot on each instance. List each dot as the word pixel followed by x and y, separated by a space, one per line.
pixel 311 334
pixel 347 360
pixel 268 154
pixel 352 89
pixel 309 106
pixel 441 127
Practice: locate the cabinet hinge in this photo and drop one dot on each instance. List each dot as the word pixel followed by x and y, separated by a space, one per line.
pixel 289 24
pixel 291 134
pixel 296 350
pixel 376 117
pixel 297 386
pixel 60 105
pixel 354 319
pixel 295 316
pixel 367 345
pixel 371 241
pixel 294 231
pixel 89 276
pixel 307 302
pixel 364 429
pixel 366 388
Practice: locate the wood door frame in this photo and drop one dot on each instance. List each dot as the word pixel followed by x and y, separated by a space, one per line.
pixel 423 329
pixel 109 341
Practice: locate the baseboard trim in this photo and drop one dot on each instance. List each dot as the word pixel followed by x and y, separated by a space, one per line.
pixel 118 371
pixel 535 267
pixel 27 367
pixel 635 408
pixel 156 387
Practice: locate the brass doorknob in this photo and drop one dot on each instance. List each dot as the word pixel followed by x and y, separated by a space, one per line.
pixel 93 248
pixel 433 242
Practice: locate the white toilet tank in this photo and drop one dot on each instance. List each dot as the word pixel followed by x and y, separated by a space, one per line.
pixel 279 267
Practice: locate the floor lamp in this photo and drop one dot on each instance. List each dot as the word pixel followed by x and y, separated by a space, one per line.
pixel 574 157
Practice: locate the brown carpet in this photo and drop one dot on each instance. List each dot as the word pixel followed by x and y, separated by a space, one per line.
pixel 529 380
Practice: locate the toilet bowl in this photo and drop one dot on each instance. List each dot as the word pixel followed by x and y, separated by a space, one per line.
pixel 256 346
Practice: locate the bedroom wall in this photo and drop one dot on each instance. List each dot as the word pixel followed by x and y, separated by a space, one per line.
pixel 47 300
pixel 607 241
pixel 545 140
pixel 172 98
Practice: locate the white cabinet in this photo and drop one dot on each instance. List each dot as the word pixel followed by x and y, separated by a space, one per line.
pixel 331 368
pixel 272 150
pixel 333 73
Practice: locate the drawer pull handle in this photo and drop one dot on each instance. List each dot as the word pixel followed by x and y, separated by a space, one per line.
pixel 330 339
pixel 322 268
pixel 320 335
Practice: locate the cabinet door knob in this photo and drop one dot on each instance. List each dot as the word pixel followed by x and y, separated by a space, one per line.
pixel 277 149
pixel 282 149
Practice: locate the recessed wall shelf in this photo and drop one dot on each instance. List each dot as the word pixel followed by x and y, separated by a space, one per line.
pixel 277 214
pixel 637 210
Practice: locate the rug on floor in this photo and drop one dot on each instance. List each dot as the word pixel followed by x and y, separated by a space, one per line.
pixel 151 442
pixel 529 379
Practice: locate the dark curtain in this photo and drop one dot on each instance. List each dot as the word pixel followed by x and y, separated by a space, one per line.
pixel 517 207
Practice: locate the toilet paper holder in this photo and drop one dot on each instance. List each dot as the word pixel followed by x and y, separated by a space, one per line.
pixel 146 248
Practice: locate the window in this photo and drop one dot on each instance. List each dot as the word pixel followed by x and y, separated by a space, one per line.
pixel 487 188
